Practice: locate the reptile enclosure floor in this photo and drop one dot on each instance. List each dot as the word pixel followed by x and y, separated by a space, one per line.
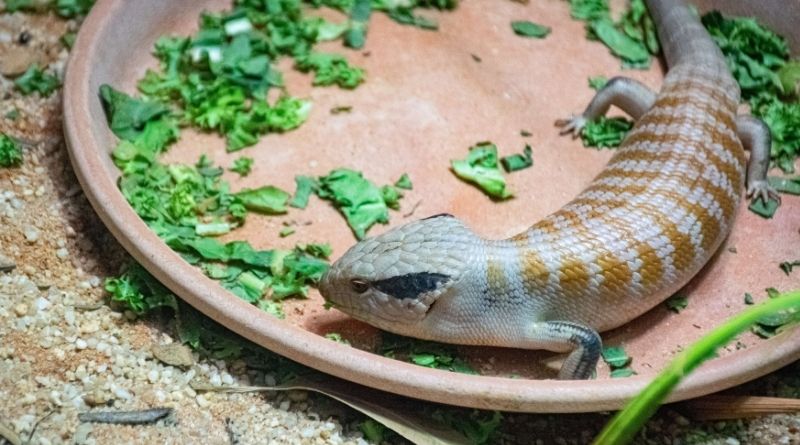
pixel 428 97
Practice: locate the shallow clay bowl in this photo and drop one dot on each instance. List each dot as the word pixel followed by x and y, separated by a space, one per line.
pixel 428 97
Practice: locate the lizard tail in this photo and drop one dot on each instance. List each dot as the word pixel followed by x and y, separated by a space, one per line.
pixel 682 36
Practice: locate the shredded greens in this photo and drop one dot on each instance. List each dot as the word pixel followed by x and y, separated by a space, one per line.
pixel 605 132
pixel 618 360
pixel 360 201
pixel 37 80
pixel 632 38
pixel 242 166
pixel 517 162
pixel 10 152
pixel 481 168
pixel 526 28
pixel 424 353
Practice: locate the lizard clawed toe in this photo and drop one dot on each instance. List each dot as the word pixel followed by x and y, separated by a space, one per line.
pixel 761 189
pixel 574 125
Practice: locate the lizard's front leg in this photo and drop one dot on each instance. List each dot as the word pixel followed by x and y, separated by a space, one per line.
pixel 563 336
pixel 631 96
pixel 756 138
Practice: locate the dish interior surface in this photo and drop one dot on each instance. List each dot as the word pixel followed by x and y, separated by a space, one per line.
pixel 428 96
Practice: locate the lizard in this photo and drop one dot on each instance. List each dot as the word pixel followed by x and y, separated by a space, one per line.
pixel 639 232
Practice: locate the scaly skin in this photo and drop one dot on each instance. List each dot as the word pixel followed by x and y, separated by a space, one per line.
pixel 637 234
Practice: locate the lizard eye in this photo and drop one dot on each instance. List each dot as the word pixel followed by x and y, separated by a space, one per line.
pixel 359 286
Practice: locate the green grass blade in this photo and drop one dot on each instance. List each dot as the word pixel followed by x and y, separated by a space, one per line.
pixel 622 428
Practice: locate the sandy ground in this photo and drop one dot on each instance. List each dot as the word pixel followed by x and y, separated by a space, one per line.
pixel 65 350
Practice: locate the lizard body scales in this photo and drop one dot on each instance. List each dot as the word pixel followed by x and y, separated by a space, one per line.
pixel 643 227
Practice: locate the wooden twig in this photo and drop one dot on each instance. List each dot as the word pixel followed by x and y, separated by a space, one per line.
pixel 721 407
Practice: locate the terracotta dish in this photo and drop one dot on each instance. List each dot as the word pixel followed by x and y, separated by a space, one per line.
pixel 428 97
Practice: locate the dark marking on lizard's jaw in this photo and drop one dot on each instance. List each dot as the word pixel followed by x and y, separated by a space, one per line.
pixel 439 215
pixel 411 285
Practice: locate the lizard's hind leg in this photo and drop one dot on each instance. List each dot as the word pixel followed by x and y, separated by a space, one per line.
pixel 631 96
pixel 561 336
pixel 756 139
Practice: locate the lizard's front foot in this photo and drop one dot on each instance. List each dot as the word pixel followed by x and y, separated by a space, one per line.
pixel 574 124
pixel 760 189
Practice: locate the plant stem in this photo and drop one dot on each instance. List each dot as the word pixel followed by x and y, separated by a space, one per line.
pixel 622 428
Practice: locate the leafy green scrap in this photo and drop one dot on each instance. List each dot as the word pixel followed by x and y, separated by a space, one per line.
pixel 605 132
pixel 10 151
pixel 362 203
pixel 34 79
pixel 517 162
pixel 481 168
pixel 526 28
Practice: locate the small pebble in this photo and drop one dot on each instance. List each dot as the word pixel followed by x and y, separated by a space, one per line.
pixel 21 309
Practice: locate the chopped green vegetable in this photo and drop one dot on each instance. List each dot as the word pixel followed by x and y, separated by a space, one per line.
pixel 242 166
pixel 481 168
pixel 139 292
pixel 132 119
pixel 632 39
pixel 605 132
pixel 331 69
pixel 615 357
pixel 516 162
pixel 764 209
pixel 789 77
pixel 424 353
pixel 268 199
pixel 68 39
pixel 361 202
pixel 337 337
pixel 622 372
pixel 754 53
pixel 525 133
pixel 774 323
pixel 597 82
pixel 589 9
pixel 527 28
pixel 632 52
pixel 356 34
pixel 404 182
pixel 748 298
pixel 286 231
pixel 73 8
pixel 785 185
pixel 787 266
pixel 10 152
pixel 306 185
pixel 677 303
pixel 479 427
pixel 36 80
pixel 373 431
pixel 783 119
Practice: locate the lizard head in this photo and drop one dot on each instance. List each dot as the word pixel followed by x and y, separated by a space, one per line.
pixel 395 278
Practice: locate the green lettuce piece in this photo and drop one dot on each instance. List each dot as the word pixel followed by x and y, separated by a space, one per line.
pixel 268 199
pixel 754 53
pixel 789 77
pixel 597 82
pixel 516 162
pixel 139 292
pixel 605 132
pixel 404 182
pixel 359 200
pixel 305 186
pixel 36 80
pixel 526 28
pixel 356 34
pixel 331 69
pixel 242 166
pixel 10 152
pixel 633 52
pixel 481 168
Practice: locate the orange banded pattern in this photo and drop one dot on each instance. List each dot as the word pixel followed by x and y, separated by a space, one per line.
pixel 677 178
